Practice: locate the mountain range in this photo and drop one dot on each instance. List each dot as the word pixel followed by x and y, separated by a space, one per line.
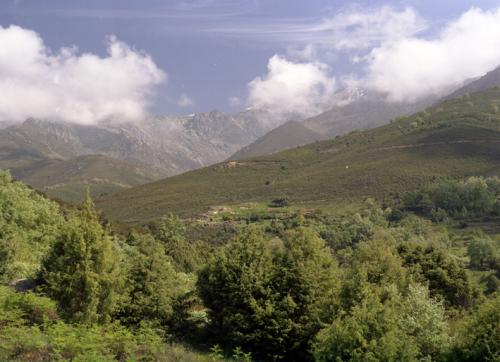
pixel 455 138
pixel 64 159
pixel 364 110
pixel 150 149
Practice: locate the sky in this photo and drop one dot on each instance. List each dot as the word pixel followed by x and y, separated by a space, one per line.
pixel 86 60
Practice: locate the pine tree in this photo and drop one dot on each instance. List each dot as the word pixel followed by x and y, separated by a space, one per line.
pixel 170 231
pixel 82 270
pixel 271 299
pixel 154 285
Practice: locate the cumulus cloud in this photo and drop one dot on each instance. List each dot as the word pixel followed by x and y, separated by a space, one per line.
pixel 185 101
pixel 292 88
pixel 412 67
pixel 71 86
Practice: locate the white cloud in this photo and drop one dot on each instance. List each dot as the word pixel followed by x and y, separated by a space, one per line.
pixel 292 88
pixel 185 101
pixel 411 67
pixel 69 86
pixel 355 30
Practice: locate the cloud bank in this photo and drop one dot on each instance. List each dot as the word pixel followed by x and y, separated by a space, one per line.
pixel 291 88
pixel 69 86
pixel 412 67
pixel 395 52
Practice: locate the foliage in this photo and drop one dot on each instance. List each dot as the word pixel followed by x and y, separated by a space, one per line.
pixel 275 292
pixel 483 252
pixel 30 330
pixel 153 284
pixel 475 196
pixel 478 339
pixel 431 264
pixel 170 231
pixel 270 300
pixel 347 233
pixel 395 328
pixel 280 202
pixel 28 225
pixel 82 270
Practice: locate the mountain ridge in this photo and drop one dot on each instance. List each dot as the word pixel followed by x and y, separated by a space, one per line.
pixel 456 138
pixel 157 146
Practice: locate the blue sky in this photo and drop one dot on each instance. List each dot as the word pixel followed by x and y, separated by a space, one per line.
pixel 211 49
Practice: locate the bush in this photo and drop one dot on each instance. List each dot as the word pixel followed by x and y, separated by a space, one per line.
pixel 28 226
pixel 479 336
pixel 446 278
pixel 281 202
pixel 82 270
pixel 386 326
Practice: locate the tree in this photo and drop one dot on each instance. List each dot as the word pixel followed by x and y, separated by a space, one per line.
pixel 433 265
pixel 368 332
pixel 374 264
pixel 153 284
pixel 236 286
pixel 270 299
pixel 170 231
pixel 307 285
pixel 482 252
pixel 386 325
pixel 82 270
pixel 479 336
pixel 28 225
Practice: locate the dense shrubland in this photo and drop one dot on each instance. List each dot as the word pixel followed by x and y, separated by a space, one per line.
pixel 475 196
pixel 381 284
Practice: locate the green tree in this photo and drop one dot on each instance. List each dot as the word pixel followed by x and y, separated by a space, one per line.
pixel 479 338
pixel 270 299
pixel 483 252
pixel 170 231
pixel 307 283
pixel 82 270
pixel 153 284
pixel 29 224
pixel 374 264
pixel 433 265
pixel 386 325
pixel 236 286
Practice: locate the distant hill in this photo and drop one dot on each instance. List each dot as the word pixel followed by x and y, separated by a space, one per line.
pixel 158 147
pixel 366 110
pixel 291 133
pixel 489 80
pixel 101 175
pixel 357 109
pixel 456 138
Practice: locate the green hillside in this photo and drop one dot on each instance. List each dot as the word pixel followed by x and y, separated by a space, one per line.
pixel 288 135
pixel 69 179
pixel 457 138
